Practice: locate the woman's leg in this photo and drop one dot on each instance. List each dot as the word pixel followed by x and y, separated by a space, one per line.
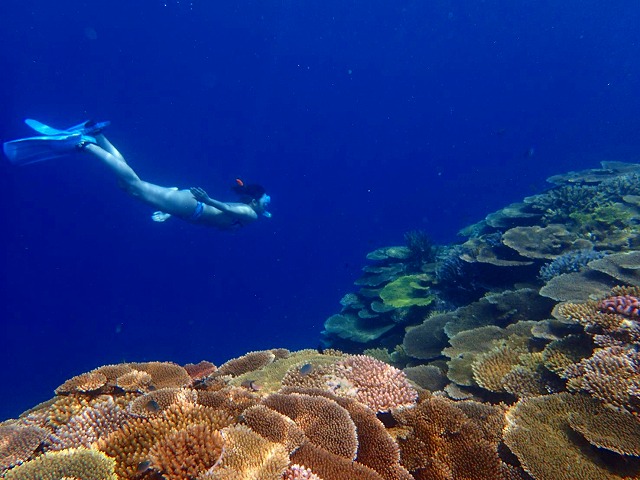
pixel 169 200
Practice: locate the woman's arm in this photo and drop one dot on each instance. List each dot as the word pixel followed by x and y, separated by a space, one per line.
pixel 239 210
pixel 200 195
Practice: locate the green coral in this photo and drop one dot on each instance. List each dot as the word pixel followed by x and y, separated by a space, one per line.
pixel 603 217
pixel 408 291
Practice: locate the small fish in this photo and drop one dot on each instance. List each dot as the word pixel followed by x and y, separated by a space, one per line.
pixel 320 350
pixel 306 369
pixel 144 466
pixel 251 385
pixel 152 406
pixel 239 182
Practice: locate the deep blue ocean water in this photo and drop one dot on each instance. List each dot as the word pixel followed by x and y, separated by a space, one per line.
pixel 363 119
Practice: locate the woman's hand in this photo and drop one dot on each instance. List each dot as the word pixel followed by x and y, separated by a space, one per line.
pixel 199 194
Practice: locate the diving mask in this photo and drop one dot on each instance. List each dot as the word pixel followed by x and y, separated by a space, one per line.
pixel 266 200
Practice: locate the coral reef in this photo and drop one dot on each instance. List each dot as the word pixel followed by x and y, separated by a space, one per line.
pixel 512 355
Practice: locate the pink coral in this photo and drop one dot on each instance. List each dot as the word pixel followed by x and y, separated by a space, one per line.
pixel 378 385
pixel 627 305
pixel 298 472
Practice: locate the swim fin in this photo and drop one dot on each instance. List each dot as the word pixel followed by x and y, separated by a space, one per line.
pixel 88 127
pixel 53 143
pixel 25 151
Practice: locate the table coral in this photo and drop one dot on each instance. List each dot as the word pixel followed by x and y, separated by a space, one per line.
pixel 539 434
pixel 18 443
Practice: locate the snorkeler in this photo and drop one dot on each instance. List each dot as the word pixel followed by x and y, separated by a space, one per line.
pixel 193 205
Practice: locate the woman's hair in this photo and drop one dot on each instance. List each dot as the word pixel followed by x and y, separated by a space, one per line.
pixel 248 192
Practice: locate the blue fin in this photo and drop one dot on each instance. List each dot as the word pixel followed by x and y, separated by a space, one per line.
pixel 38 149
pixel 85 128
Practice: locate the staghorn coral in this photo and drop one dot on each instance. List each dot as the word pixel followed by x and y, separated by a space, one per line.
pixel 248 456
pixel 538 433
pixel 80 463
pixel 299 472
pixel 92 423
pixel 187 453
pixel 18 443
pixel 573 261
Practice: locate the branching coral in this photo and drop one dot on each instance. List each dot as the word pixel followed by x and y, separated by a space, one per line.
pixel 248 456
pixel 611 374
pixel 187 453
pixel 443 442
pixel 91 424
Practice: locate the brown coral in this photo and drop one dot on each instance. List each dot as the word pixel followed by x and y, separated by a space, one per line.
pixel 274 426
pixel 18 442
pixel 330 466
pixel 248 456
pixel 611 374
pixel 135 381
pixel 603 427
pixel 247 363
pixel 538 433
pixel 442 442
pixel 153 403
pixel 187 453
pixel 324 422
pixel 84 383
pixel 608 328
pixel 130 446
pixel 164 374
pixel 201 370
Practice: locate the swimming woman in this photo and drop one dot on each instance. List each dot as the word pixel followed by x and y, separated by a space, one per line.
pixel 193 205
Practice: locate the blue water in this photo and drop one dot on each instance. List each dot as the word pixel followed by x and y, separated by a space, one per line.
pixel 362 119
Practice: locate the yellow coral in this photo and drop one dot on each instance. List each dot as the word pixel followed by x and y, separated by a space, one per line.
pixel 80 463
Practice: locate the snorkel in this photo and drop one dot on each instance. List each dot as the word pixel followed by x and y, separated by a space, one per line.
pixel 253 194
